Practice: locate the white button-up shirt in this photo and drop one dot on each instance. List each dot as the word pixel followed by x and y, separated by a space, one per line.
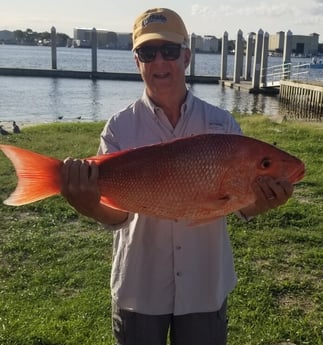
pixel 162 266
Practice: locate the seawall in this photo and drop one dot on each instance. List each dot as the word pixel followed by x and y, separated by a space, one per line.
pixel 52 73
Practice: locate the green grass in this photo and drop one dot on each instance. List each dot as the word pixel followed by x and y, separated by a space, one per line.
pixel 55 264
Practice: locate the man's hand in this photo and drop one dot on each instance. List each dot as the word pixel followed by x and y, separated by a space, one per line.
pixel 270 193
pixel 79 186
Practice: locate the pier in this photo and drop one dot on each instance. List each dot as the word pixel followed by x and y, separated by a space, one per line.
pixel 253 78
pixel 302 100
pixel 94 73
pixel 251 72
pixel 54 73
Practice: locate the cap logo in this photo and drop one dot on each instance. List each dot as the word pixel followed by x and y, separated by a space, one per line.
pixel 154 18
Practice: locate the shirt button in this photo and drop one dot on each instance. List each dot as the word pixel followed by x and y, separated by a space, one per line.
pixel 179 274
pixel 178 247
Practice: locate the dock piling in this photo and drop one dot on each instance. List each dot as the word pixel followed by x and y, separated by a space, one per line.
pixel 94 48
pixel 53 47
pixel 264 58
pixel 224 56
pixel 238 61
pixel 249 53
pixel 192 46
pixel 257 60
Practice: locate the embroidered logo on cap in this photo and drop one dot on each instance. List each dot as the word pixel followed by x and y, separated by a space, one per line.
pixel 154 18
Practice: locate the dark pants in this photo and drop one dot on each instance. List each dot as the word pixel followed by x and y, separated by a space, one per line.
pixel 191 329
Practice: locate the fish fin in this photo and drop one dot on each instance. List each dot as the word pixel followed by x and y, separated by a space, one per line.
pixel 203 221
pixel 215 202
pixel 210 208
pixel 38 175
pixel 106 201
pixel 102 158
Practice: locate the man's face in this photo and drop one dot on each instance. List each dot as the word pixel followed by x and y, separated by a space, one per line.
pixel 163 74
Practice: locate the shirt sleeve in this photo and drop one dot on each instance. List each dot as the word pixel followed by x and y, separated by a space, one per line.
pixel 109 144
pixel 233 125
pixel 108 140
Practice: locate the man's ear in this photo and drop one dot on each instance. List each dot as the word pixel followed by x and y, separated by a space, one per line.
pixel 187 57
pixel 137 62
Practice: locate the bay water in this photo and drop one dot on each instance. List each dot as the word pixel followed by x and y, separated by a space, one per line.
pixel 31 100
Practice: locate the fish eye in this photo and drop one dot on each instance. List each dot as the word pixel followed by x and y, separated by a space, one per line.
pixel 266 163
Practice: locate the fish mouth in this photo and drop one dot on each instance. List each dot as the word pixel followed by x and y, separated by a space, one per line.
pixel 298 174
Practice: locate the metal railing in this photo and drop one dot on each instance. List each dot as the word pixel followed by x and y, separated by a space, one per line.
pixel 272 75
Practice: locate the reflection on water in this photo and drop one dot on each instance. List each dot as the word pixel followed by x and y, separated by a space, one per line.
pixel 255 103
pixel 237 101
pixel 95 102
pixel 46 100
pixel 54 98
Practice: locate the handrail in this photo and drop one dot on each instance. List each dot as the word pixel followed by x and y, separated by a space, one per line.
pixel 272 75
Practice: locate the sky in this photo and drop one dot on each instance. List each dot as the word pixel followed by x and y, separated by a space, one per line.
pixel 208 17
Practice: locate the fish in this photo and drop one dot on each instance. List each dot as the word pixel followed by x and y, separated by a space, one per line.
pixel 196 179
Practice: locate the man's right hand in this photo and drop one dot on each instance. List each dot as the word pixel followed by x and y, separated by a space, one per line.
pixel 79 186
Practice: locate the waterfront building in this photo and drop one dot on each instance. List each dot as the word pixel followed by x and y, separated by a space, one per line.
pixel 210 44
pixel 124 40
pixel 105 38
pixel 302 45
pixel 207 44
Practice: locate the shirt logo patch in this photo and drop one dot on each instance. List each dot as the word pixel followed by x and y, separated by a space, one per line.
pixel 215 126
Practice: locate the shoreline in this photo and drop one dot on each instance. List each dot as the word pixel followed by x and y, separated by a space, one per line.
pixel 7 125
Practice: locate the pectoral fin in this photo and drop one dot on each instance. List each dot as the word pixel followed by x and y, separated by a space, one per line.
pixel 211 210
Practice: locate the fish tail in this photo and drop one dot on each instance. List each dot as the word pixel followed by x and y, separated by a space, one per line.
pixel 38 175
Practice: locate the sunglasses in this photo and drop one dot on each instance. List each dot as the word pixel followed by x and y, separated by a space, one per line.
pixel 169 52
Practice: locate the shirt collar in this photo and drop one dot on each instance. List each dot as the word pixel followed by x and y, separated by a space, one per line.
pixel 154 108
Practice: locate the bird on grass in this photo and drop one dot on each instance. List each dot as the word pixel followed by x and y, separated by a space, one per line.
pixel 15 127
pixel 3 131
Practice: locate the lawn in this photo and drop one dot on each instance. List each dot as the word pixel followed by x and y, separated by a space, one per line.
pixel 55 264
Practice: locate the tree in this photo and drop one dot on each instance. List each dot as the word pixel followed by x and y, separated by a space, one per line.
pixel 19 36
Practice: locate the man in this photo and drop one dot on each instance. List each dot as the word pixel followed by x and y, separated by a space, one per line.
pixel 165 276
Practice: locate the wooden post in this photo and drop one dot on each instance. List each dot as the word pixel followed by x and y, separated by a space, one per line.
pixel 238 60
pixel 94 46
pixel 287 53
pixel 193 48
pixel 264 59
pixel 287 47
pixel 224 56
pixel 53 47
pixel 249 53
pixel 257 60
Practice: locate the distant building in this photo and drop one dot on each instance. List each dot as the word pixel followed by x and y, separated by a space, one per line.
pixel 301 45
pixel 124 40
pixel 305 45
pixel 276 42
pixel 198 43
pixel 106 39
pixel 83 38
pixel 210 44
pixel 206 44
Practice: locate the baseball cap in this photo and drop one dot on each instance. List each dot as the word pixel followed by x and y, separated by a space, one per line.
pixel 159 23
